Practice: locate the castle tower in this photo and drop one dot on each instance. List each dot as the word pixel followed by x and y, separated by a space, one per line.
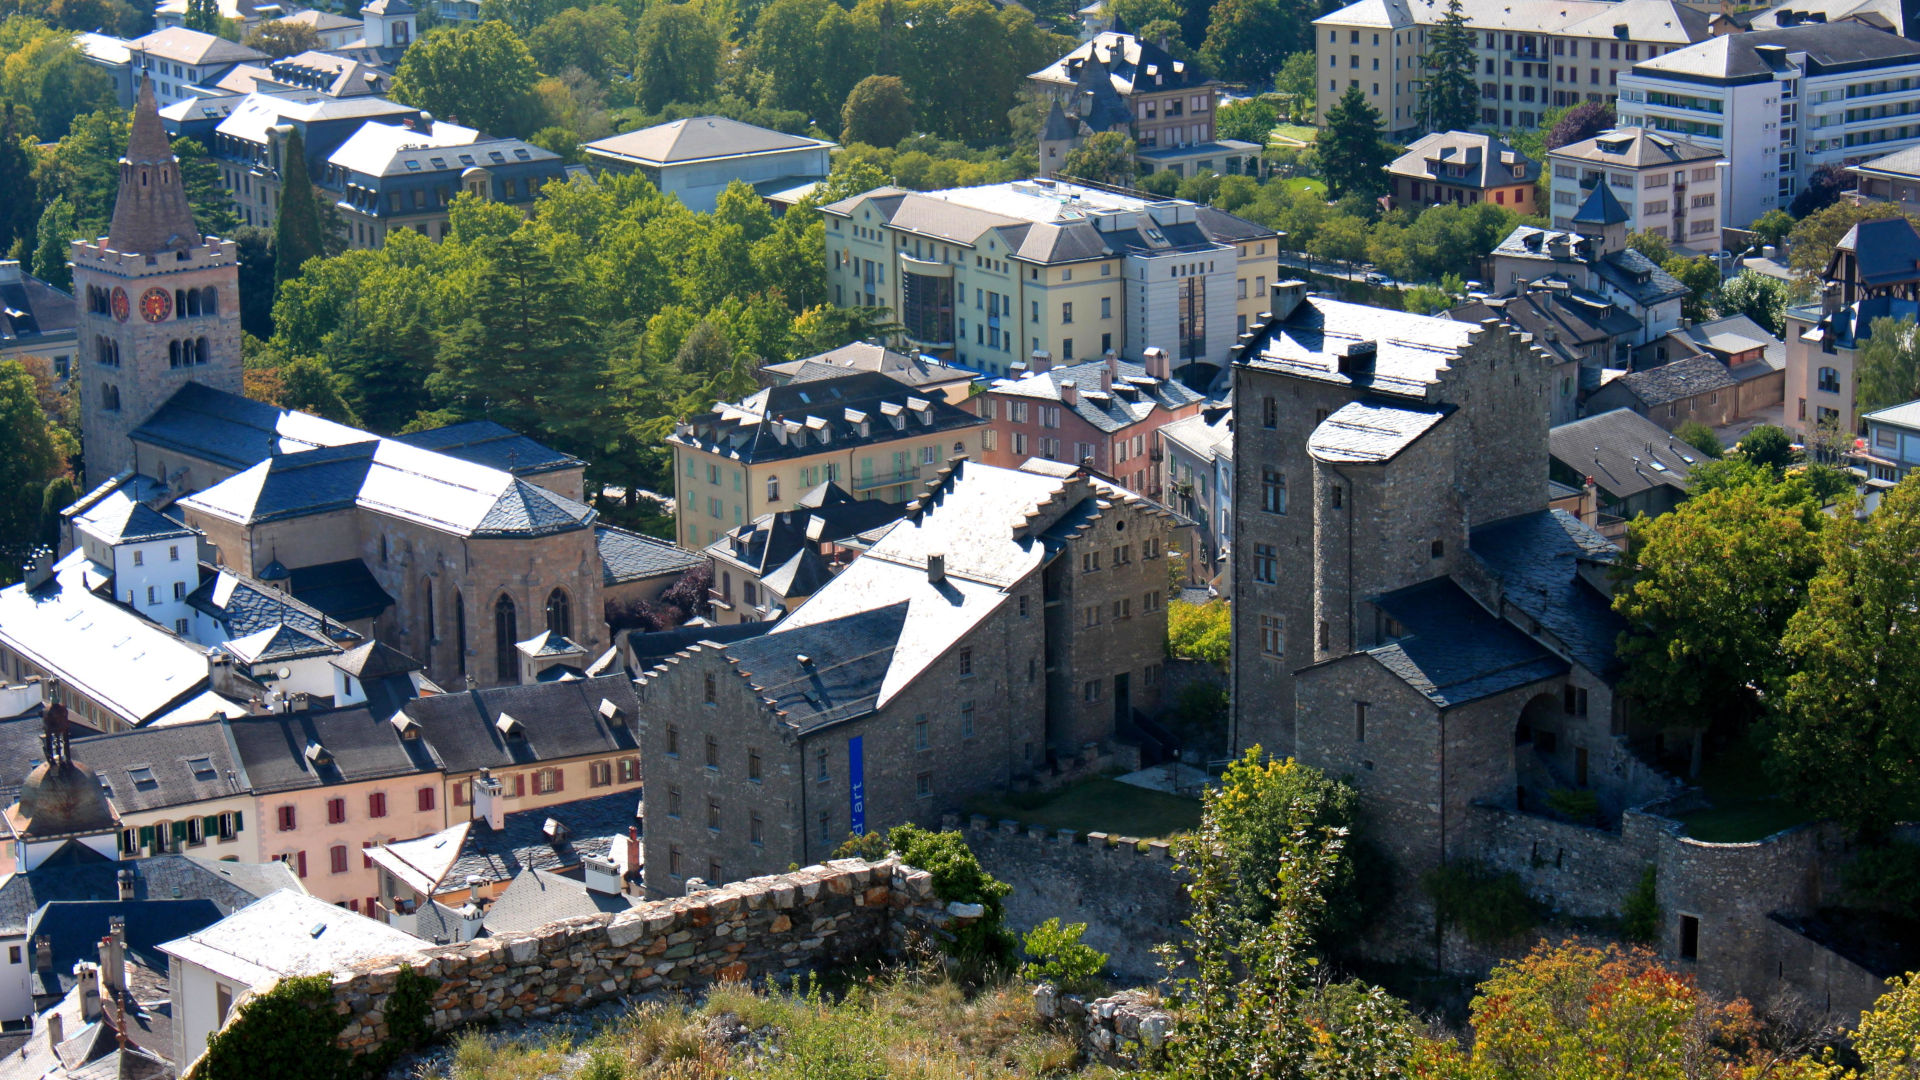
pixel 159 303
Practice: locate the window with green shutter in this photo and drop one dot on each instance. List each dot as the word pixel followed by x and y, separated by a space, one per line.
pixel 146 837
pixel 179 832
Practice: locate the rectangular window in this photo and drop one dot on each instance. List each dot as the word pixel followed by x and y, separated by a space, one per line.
pixel 1090 690
pixel 713 752
pixel 920 734
pixel 1266 561
pixel 336 812
pixel 1273 492
pixel 673 803
pixel 1359 721
pixel 753 765
pixel 713 814
pixel 756 829
pixel 337 858
pixel 426 799
pixel 923 785
pixel 966 719
pixel 966 662
pixel 821 772
pixel 377 804
pixel 1271 642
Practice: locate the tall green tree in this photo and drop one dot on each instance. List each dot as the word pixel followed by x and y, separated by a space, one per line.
pixel 1451 97
pixel 678 56
pixel 1248 40
pixel 1887 370
pixel 1707 592
pixel 32 458
pixel 212 203
pixel 1702 278
pixel 280 38
pixel 482 75
pixel 1846 739
pixel 1298 82
pixel 16 186
pixel 786 46
pixel 84 166
pixel 877 112
pixel 595 39
pixel 46 74
pixel 296 224
pixel 1353 158
pixel 1757 296
pixel 1106 158
pixel 1251 120
pixel 55 232
pixel 204 16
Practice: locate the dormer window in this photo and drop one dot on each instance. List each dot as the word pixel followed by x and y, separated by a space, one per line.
pixel 407 726
pixel 317 755
pixel 509 727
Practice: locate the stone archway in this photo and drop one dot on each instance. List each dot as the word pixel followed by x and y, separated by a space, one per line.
pixel 1538 744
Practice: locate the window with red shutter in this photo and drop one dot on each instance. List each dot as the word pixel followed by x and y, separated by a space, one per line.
pixel 336 811
pixel 559 780
pixel 366 861
pixel 300 863
pixel 337 857
pixel 519 784
pixel 460 793
pixel 426 798
pixel 377 804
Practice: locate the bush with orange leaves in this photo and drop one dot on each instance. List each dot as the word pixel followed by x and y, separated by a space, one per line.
pixel 1575 1011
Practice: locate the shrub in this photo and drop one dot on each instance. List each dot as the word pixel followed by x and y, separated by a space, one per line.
pixel 1056 954
pixel 1581 807
pixel 985 945
pixel 1640 915
pixel 1700 437
pixel 287 1033
pixel 1488 907
pixel 1199 631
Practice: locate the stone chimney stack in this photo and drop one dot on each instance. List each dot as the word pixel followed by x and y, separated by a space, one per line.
pixel 1069 393
pixel 489 801
pixel 937 567
pixel 1286 296
pixel 1041 361
pixel 1157 365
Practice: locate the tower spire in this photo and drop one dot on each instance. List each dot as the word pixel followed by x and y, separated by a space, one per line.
pixel 151 214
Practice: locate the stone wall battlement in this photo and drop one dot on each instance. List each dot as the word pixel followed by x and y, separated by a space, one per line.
pixel 748 931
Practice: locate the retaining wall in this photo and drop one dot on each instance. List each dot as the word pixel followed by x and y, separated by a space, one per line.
pixel 1129 894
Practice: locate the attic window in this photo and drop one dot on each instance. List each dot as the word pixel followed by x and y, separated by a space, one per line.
pixel 466 159
pixel 407 726
pixel 413 165
pixel 317 755
pixel 202 768
pixel 511 728
pixel 143 778
pixel 612 713
pixel 496 157
pixel 438 163
pixel 523 155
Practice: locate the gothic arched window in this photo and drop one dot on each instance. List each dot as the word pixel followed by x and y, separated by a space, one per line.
pixel 200 351
pixel 460 631
pixel 506 631
pixel 559 613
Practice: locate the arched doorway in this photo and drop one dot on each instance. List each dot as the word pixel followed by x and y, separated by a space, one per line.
pixel 1538 746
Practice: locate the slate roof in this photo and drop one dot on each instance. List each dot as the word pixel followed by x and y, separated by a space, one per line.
pixel 1884 14
pixel 273 749
pixel 1368 433
pixel 289 933
pixel 1411 350
pixel 784 540
pixel 378 150
pixel 865 356
pixel 698 138
pixel 279 642
pixel 99 648
pixel 32 310
pixel 1602 207
pixel 847 662
pixel 1886 251
pixel 1634 148
pixel 745 430
pixel 375 660
pixel 1206 434
pixel 1133 65
pixel 1907 415
pixel 593 825
pixel 119 518
pixel 628 556
pixel 560 720
pixel 1536 559
pixel 1681 379
pixel 496 446
pixel 1489 161
pixel 243 607
pixel 74 929
pixel 234 431
pixel 1455 651
pixel 1728 337
pixel 177 765
pixel 649 647
pixel 22 749
pixel 192 47
pixel 1900 163
pixel 538 897
pixel 1134 397
pixel 1627 270
pixel 249 118
pixel 1666 21
pixel 77 872
pixel 1564 319
pixel 1624 452
pixel 1829 48
pixel 345 590
pixel 1853 323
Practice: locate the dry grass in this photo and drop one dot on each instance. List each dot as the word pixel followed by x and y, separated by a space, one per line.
pixel 888 1027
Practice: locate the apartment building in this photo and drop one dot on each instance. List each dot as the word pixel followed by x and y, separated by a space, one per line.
pixel 1892 447
pixel 1530 55
pixel 986 276
pixel 1874 274
pixel 1779 104
pixel 1668 186
pixel 871 435
pixel 1101 415
pixel 250 143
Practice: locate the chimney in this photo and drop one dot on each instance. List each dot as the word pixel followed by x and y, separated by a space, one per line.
pixel 9 271
pixel 38 569
pixel 113 956
pixel 43 954
pixel 1358 358
pixel 1106 379
pixel 936 567
pixel 1041 361
pixel 125 881
pixel 1286 296
pixel 1157 366
pixel 86 978
pixel 633 849
pixel 56 1031
pixel 1069 393
pixel 489 801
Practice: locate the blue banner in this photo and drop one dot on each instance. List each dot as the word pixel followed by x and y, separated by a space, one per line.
pixel 857 786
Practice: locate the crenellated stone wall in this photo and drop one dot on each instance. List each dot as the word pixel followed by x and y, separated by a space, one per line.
pixel 748 931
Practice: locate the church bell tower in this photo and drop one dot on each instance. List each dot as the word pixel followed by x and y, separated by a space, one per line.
pixel 159 303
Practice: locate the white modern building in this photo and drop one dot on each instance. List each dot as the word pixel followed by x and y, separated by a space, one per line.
pixel 1779 104
pixel 696 158
pixel 1668 186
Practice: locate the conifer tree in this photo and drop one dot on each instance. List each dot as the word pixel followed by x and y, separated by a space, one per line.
pixel 1451 100
pixel 1353 159
pixel 55 231
pixel 16 185
pixel 296 230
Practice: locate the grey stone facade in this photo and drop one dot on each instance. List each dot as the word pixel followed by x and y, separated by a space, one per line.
pixel 1013 620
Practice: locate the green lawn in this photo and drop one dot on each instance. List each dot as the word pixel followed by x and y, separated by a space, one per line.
pixel 1298 132
pixel 1305 184
pixel 1098 805
pixel 1745 805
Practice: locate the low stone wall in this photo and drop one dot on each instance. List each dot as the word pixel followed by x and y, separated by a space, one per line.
pixel 1125 1030
pixel 750 930
pixel 1128 893
pixel 1579 871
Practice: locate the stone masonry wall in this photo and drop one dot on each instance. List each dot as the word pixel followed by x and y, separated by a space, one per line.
pixel 748 931
pixel 1130 899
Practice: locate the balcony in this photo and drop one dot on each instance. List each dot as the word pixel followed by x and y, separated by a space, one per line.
pixel 871 481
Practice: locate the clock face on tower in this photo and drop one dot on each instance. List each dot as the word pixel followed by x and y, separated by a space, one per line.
pixel 122 307
pixel 156 305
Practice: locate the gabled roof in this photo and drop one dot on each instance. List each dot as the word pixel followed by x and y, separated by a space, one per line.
pixel 698 138
pixel 32 310
pixel 1536 559
pixel 1411 351
pixel 1623 452
pixel 558 721
pixel 1487 160
pixel 156 768
pixel 866 356
pixel 821 416
pixel 375 660
pixel 1680 379
pixel 287 934
pixel 1455 651
pixel 243 607
pixel 1634 148
pixel 318 748
pixel 1886 251
pixel 422 863
pixel 383 149
pixel 235 431
pixel 494 445
pixel 1907 415
pixel 628 556
pixel 1131 65
pixel 783 539
pixel 1829 47
pixel 1134 396
pixel 280 642
pixel 589 829
pixel 1206 434
pixel 119 518
pixel 539 897
pixel 846 660
pixel 77 872
pixel 191 47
